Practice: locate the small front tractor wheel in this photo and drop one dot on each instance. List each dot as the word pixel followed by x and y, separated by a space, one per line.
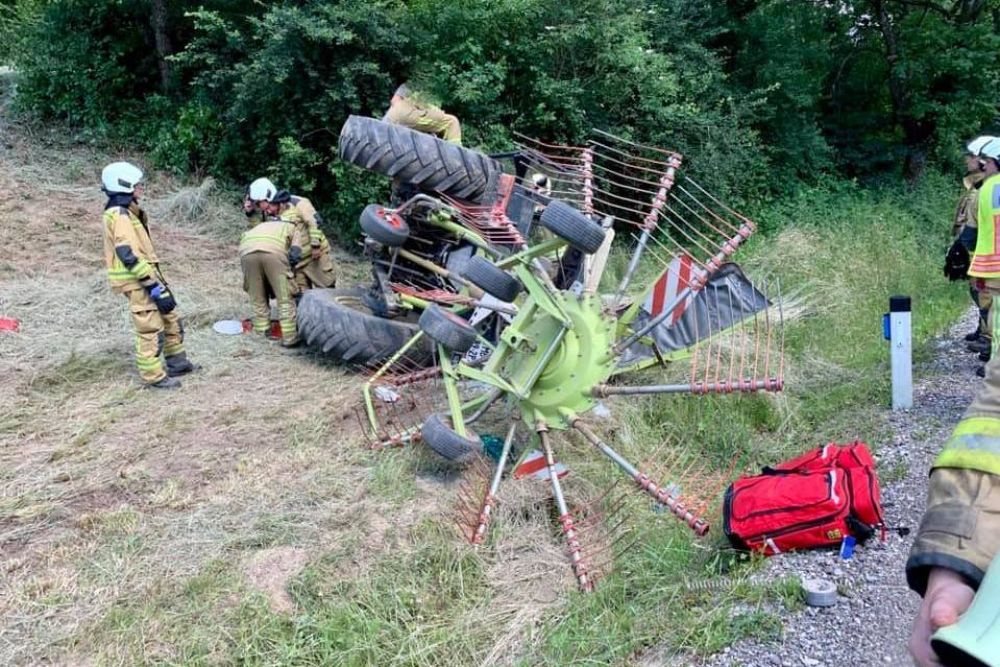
pixel 447 328
pixel 384 226
pixel 568 223
pixel 486 276
pixel 444 440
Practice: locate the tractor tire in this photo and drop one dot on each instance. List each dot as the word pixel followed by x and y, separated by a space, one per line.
pixel 379 225
pixel 447 328
pixel 420 159
pixel 337 323
pixel 440 437
pixel 569 224
pixel 496 282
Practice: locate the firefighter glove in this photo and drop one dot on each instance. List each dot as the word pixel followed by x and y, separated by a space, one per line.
pixel 956 262
pixel 162 297
pixel 294 255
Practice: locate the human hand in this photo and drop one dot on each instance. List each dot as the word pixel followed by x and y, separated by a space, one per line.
pixel 315 254
pixel 947 598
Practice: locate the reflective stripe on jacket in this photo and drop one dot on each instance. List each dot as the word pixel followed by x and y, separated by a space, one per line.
pixel 986 260
pixel 317 239
pixel 974 444
pixel 273 236
pixel 123 227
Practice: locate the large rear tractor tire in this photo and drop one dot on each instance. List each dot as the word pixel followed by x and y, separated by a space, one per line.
pixel 337 323
pixel 427 162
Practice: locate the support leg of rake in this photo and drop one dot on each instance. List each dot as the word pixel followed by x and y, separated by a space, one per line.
pixel 451 390
pixel 697 524
pixel 490 500
pixel 367 390
pixel 565 518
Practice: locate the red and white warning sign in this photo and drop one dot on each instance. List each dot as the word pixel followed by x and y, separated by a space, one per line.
pixel 668 287
pixel 534 466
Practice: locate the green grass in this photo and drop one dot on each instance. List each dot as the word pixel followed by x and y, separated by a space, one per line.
pixel 436 601
pixel 154 572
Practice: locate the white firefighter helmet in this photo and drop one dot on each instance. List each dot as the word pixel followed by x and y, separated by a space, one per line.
pixel 120 177
pixel 991 150
pixel 262 190
pixel 976 145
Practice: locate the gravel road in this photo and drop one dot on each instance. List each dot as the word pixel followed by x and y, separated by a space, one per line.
pixel 870 624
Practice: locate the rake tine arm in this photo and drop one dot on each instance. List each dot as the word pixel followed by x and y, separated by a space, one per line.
pixel 697 524
pixel 489 500
pixel 580 569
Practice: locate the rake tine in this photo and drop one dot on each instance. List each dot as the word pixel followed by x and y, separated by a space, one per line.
pixel 580 569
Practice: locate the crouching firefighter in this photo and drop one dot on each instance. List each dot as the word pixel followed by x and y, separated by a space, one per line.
pixel 315 268
pixel 133 270
pixel 267 254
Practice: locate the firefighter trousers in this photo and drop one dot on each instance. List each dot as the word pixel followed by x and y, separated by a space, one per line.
pixel 315 272
pixel 266 273
pixel 427 119
pixel 156 334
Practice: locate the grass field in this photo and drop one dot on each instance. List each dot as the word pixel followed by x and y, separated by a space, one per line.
pixel 241 521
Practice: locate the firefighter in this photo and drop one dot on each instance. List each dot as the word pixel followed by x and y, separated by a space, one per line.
pixel 133 270
pixel 255 215
pixel 985 265
pixel 408 108
pixel 964 233
pixel 959 534
pixel 316 268
pixel 267 253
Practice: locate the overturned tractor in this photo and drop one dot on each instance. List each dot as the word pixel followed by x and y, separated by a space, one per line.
pixel 497 277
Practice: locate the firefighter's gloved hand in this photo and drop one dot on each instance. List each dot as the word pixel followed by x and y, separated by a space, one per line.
pixel 294 255
pixel 956 262
pixel 162 297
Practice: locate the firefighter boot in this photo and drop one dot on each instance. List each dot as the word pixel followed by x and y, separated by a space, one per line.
pixel 979 345
pixel 179 364
pixel 166 383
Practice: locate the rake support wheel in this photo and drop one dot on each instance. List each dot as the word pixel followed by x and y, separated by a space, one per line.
pixel 567 223
pixel 385 227
pixel 440 437
pixel 447 328
pixel 337 323
pixel 420 159
pixel 495 282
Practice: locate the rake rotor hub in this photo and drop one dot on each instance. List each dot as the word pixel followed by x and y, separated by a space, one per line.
pixel 583 358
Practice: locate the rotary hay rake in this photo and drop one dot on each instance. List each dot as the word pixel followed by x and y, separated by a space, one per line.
pixel 564 349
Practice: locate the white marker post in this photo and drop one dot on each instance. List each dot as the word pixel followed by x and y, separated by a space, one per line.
pixel 901 352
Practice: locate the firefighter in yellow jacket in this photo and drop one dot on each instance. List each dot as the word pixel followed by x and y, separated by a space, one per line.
pixel 314 269
pixel 407 108
pixel 133 271
pixel 965 235
pixel 960 531
pixel 267 253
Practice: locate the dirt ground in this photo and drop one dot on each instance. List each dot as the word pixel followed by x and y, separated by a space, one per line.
pixel 116 502
pixel 107 488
